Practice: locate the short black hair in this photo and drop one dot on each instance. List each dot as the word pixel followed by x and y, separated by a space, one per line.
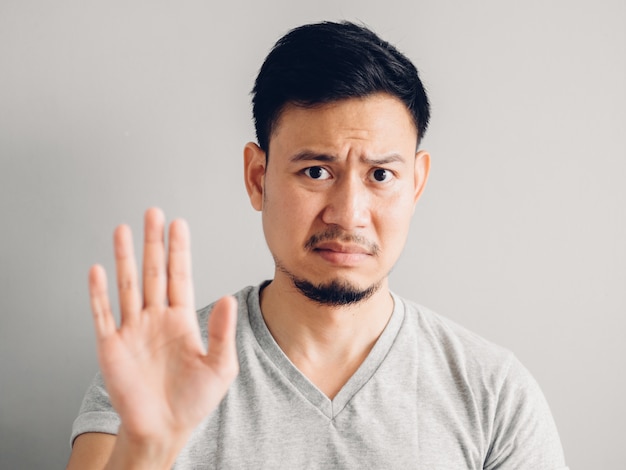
pixel 325 62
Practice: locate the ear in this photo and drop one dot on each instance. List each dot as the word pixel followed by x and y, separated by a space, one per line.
pixel 422 169
pixel 254 173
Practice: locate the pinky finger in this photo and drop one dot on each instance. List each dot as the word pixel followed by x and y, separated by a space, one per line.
pixel 103 320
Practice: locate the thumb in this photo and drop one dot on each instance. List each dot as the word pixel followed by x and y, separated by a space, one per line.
pixel 222 351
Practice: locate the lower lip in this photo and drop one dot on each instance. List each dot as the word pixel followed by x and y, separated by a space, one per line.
pixel 342 259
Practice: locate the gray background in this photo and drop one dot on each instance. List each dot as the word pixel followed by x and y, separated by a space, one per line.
pixel 109 107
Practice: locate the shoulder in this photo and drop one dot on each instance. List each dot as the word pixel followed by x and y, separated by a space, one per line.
pixel 439 337
pixel 488 386
pixel 464 364
pixel 247 301
pixel 243 296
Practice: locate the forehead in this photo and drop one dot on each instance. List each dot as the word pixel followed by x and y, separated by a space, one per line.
pixel 378 123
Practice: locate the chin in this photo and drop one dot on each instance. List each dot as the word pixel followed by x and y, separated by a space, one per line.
pixel 335 293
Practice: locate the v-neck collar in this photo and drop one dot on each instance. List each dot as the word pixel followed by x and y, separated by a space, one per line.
pixel 330 408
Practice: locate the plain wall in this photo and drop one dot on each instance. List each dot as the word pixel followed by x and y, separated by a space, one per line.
pixel 107 108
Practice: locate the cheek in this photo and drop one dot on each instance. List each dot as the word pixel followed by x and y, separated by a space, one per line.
pixel 398 202
pixel 394 220
pixel 286 218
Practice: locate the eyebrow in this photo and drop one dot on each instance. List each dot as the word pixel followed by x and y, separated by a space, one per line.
pixel 308 156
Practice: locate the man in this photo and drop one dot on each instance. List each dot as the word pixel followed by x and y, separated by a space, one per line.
pixel 335 371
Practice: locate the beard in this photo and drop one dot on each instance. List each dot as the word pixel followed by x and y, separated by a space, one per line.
pixel 336 293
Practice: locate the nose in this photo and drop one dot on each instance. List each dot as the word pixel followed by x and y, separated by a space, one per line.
pixel 348 204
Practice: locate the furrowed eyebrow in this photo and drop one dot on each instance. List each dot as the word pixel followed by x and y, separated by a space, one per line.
pixel 394 157
pixel 307 155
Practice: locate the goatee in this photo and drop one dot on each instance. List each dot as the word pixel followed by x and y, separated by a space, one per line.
pixel 335 293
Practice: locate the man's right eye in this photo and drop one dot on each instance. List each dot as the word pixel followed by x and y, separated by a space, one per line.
pixel 317 173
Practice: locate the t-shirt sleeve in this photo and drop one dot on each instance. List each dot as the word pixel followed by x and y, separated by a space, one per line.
pixel 524 432
pixel 96 412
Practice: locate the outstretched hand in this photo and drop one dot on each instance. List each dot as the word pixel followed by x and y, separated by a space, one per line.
pixel 161 379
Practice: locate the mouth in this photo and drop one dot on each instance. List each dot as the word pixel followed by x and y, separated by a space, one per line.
pixel 341 249
pixel 336 247
pixel 342 255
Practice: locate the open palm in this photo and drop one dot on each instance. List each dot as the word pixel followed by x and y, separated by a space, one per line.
pixel 161 379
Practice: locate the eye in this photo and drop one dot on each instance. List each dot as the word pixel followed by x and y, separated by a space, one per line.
pixel 317 173
pixel 381 175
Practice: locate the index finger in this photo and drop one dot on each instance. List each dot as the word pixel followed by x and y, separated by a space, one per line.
pixel 180 284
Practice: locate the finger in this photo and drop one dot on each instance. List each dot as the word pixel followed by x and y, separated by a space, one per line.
pixel 154 281
pixel 126 268
pixel 222 352
pixel 103 320
pixel 179 277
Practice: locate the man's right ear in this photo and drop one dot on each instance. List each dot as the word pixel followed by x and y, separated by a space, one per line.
pixel 254 162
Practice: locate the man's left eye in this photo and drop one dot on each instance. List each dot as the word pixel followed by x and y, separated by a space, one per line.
pixel 380 175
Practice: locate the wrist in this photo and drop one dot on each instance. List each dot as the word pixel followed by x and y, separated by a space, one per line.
pixel 149 453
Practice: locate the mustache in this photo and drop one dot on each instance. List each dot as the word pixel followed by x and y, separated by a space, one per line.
pixel 339 235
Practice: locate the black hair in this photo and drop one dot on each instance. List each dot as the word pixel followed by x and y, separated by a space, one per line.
pixel 324 62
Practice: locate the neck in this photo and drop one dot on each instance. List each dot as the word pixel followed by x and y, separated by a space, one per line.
pixel 326 343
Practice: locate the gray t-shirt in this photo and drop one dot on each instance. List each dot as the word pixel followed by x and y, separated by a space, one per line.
pixel 430 395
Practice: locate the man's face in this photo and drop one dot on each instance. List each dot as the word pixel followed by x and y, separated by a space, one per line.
pixel 338 191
